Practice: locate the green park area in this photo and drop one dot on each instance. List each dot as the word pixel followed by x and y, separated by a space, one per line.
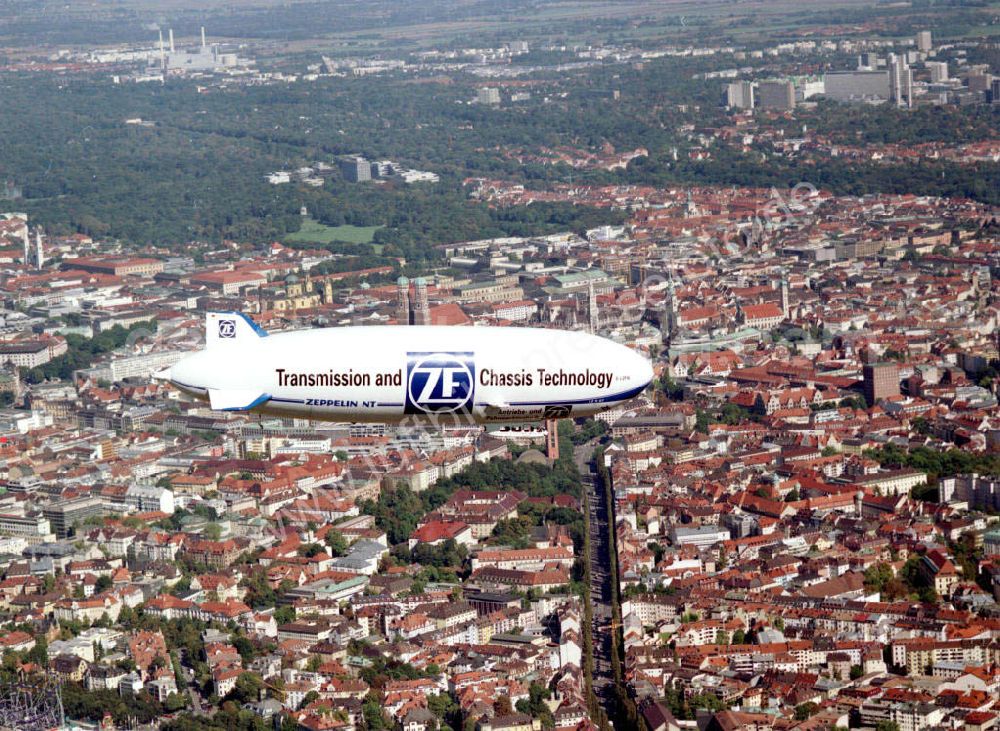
pixel 314 232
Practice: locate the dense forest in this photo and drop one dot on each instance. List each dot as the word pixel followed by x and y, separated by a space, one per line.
pixel 196 171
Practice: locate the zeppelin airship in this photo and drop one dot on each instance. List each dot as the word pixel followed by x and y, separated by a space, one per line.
pixel 393 374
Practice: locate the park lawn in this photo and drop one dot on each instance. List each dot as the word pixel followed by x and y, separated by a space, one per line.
pixel 314 232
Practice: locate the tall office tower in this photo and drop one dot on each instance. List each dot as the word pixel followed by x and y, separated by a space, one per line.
pixel 900 81
pixel 488 95
pixel 740 95
pixel 939 71
pixel 403 301
pixel 881 381
pixel 907 78
pixel 778 95
pixel 421 307
pixel 979 81
pixel 356 169
pixel 924 41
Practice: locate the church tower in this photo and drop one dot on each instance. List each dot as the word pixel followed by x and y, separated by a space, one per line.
pixel 421 307
pixel 592 309
pixel 668 320
pixel 403 301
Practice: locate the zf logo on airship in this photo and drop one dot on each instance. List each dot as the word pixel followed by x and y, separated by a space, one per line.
pixel 439 383
pixel 227 328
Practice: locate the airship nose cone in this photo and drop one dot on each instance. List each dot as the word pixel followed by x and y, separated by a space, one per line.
pixel 643 371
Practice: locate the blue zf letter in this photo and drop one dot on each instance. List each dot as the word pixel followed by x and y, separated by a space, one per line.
pixel 439 383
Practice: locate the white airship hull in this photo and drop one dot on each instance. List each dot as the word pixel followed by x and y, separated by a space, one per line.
pixel 447 375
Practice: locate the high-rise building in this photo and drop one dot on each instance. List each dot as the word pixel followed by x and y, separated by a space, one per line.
pixel 356 169
pixel 939 71
pixel 881 381
pixel 900 81
pixel 924 41
pixel 776 94
pixel 64 515
pixel 979 82
pixel 979 491
pixel 488 95
pixel 995 90
pixel 740 95
pixel 868 61
pixel 848 86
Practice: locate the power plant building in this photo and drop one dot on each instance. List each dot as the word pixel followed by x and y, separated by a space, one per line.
pixel 201 59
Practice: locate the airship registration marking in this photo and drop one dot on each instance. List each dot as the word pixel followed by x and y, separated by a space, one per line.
pixel 341 403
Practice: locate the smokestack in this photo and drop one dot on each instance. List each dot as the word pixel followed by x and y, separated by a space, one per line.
pixel 163 55
pixel 203 37
pixel 171 40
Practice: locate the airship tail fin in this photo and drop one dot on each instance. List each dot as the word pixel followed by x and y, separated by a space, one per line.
pixel 223 328
pixel 235 399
